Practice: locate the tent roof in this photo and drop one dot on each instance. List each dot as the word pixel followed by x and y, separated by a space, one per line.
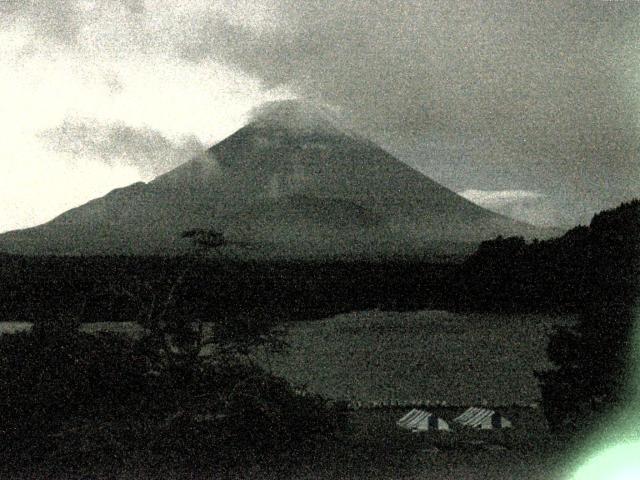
pixel 482 418
pixel 420 420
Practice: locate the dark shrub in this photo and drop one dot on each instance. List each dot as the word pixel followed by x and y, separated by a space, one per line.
pixel 65 391
pixel 56 373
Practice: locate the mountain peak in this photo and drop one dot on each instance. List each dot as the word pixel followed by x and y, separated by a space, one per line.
pixel 296 115
pixel 295 180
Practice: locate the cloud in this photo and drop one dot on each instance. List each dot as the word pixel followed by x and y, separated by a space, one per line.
pixel 122 27
pixel 55 19
pixel 83 114
pixel 145 149
pixel 549 93
pixel 38 185
pixel 499 197
pixel 538 96
pixel 527 206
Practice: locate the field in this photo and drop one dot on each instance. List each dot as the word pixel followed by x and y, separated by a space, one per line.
pixel 426 356
pixel 410 357
pixel 382 357
pixel 429 356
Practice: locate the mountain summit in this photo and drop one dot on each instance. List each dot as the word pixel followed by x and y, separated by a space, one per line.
pixel 295 115
pixel 293 182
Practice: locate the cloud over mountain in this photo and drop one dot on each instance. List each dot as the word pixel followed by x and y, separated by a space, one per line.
pixel 291 183
pixel 527 206
pixel 119 144
pixel 546 93
pixel 479 95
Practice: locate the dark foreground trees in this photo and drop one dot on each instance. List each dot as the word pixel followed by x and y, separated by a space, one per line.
pixel 590 271
pixel 594 360
pixel 68 397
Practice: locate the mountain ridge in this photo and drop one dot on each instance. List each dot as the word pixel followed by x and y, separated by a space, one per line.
pixel 268 182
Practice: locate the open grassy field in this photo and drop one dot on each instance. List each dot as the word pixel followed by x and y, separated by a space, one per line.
pixel 460 359
pixel 435 356
pixel 424 356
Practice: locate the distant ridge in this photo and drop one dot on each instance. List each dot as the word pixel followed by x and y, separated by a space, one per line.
pixel 294 182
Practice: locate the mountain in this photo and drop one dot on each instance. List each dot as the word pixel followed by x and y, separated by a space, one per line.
pixel 292 182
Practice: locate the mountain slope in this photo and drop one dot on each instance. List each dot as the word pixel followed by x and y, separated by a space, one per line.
pixel 292 181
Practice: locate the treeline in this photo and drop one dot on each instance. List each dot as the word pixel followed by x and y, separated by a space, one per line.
pixel 592 271
pixel 595 360
pixel 504 274
pixel 119 288
pixel 563 274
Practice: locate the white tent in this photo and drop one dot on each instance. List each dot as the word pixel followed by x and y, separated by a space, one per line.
pixel 421 421
pixel 482 418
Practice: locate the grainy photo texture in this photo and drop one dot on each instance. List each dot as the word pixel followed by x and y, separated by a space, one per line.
pixel 284 239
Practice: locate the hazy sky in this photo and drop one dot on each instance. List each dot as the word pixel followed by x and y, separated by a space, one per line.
pixel 532 107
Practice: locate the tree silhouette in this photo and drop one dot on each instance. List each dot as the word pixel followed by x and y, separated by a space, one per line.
pixel 205 240
pixel 177 326
pixel 592 374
